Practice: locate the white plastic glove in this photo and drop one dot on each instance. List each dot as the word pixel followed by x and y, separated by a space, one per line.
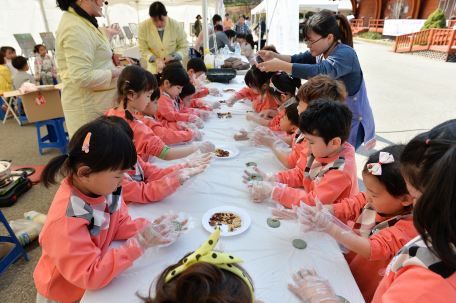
pixel 242 136
pixel 253 117
pixel 314 218
pixel 266 137
pixel 187 173
pixel 214 91
pixel 199 122
pixel 162 232
pixel 205 147
pixel 191 126
pixel 204 114
pixel 282 213
pixel 111 31
pixel 181 125
pixel 261 190
pixel 198 158
pixel 269 177
pixel 230 101
pixel 214 105
pixel 311 288
pixel 199 82
pixel 198 135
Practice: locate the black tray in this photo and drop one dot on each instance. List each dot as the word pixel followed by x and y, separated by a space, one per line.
pixel 222 75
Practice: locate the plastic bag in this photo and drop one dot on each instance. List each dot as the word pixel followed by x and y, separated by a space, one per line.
pixel 25 230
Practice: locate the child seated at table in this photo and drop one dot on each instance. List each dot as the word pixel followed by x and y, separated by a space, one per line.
pixel 10 53
pixel 147 183
pixel 288 126
pixel 196 70
pixel 321 86
pixel 257 82
pixel 186 98
pixel 381 217
pixel 206 275
pixel 167 135
pixel 282 87
pixel 134 89
pixel 88 213
pixel 172 80
pixel 327 167
pixel 20 63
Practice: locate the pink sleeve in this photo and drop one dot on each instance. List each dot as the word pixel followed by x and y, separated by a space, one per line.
pixel 292 178
pixel 166 111
pixel 274 124
pixel 295 153
pixel 170 136
pixel 328 190
pixel 246 92
pixel 201 94
pixel 350 208
pixel 152 172
pixel 146 142
pixel 268 103
pixel 387 243
pixel 127 228
pixel 149 191
pixel 79 260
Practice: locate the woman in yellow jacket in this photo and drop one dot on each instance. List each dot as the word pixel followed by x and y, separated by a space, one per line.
pixel 84 61
pixel 5 75
pixel 161 39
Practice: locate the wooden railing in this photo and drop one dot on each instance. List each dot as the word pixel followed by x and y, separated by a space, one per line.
pixel 451 24
pixel 376 25
pixel 436 39
pixel 356 23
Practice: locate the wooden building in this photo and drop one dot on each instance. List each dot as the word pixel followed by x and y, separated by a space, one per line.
pixel 411 9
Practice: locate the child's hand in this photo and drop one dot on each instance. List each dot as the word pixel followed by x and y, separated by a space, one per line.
pixel 38 79
pixel 253 117
pixel 264 114
pixel 198 135
pixel 214 91
pixel 215 105
pixel 190 126
pixel 54 76
pixel 261 190
pixel 314 218
pixel 204 114
pixel 311 288
pixel 269 177
pixel 230 101
pixel 206 147
pixel 197 120
pixel 242 136
pixel 197 159
pixel 187 173
pixel 282 213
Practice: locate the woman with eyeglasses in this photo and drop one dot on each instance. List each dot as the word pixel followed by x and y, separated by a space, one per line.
pixel 330 52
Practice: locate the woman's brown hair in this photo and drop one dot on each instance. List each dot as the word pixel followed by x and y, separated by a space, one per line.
pixel 201 282
pixel 325 23
pixel 322 86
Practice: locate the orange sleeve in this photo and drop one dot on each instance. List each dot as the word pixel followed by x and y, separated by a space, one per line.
pixel 146 192
pixel 170 136
pixel 268 103
pixel 246 92
pixel 387 243
pixel 69 245
pixel 350 208
pixel 128 228
pixel 152 172
pixel 201 94
pixel 274 124
pixel 146 142
pixel 295 154
pixel 166 111
pixel 332 184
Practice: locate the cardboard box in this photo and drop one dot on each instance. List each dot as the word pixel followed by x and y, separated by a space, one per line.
pixel 41 105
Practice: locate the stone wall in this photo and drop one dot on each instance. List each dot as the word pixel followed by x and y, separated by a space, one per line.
pixel 433 55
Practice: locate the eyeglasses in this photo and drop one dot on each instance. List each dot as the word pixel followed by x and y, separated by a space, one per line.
pixel 312 43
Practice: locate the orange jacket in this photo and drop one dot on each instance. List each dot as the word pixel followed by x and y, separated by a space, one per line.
pixel 260 102
pixel 335 184
pixel 146 142
pixel 167 135
pixel 293 158
pixel 274 124
pixel 148 183
pixel 168 109
pixel 75 240
pixel 384 245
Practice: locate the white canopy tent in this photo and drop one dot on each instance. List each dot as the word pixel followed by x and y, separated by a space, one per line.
pixel 335 6
pixel 38 16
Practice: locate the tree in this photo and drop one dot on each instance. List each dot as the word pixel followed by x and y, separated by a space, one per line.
pixel 399 9
pixel 435 20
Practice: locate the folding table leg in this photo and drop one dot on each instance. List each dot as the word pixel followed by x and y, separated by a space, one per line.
pixel 9 108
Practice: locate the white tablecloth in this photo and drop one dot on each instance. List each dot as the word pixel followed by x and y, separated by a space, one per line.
pixel 268 254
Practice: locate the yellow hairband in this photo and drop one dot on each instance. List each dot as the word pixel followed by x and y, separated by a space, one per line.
pixel 205 254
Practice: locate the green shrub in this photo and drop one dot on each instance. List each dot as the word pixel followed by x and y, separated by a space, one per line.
pixel 371 35
pixel 435 20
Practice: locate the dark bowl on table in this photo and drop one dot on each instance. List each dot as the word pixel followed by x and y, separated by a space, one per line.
pixel 222 75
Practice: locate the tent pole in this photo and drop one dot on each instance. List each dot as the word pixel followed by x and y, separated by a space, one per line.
pixel 107 15
pixel 137 9
pixel 205 31
pixel 43 13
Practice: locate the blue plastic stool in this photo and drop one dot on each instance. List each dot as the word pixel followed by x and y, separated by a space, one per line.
pixel 22 116
pixel 56 136
pixel 191 53
pixel 16 252
pixel 2 112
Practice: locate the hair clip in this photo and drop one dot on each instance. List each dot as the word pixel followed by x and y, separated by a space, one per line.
pixel 86 144
pixel 126 81
pixel 275 88
pixel 376 168
pixel 289 75
pixel 428 141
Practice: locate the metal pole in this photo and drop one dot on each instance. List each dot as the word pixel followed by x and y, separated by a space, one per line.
pixel 205 31
pixel 137 9
pixel 43 13
pixel 107 15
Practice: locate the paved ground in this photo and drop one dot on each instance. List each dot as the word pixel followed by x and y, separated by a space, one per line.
pixel 408 94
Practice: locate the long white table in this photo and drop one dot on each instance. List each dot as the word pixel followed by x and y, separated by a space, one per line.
pixel 268 254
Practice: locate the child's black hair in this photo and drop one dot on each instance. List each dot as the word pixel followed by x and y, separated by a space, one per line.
pixel 36 48
pixel 391 177
pixel 327 119
pixel 218 27
pixel 285 83
pixel 230 33
pixel 175 74
pixel 156 94
pixel 111 148
pixel 187 90
pixel 249 39
pixel 291 111
pixel 19 62
pixel 2 58
pixel 255 78
pixel 428 164
pixel 5 48
pixel 137 79
pixel 240 36
pixel 197 64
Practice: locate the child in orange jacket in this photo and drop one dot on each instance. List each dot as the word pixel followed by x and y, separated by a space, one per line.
pixel 196 70
pixel 88 213
pixel 327 167
pixel 172 80
pixel 257 82
pixel 167 135
pixel 134 88
pixel 186 98
pixel 282 87
pixel 381 217
pixel 321 86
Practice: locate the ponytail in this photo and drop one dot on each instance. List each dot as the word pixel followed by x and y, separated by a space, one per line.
pixel 64 4
pixel 52 169
pixel 325 23
pixel 284 83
